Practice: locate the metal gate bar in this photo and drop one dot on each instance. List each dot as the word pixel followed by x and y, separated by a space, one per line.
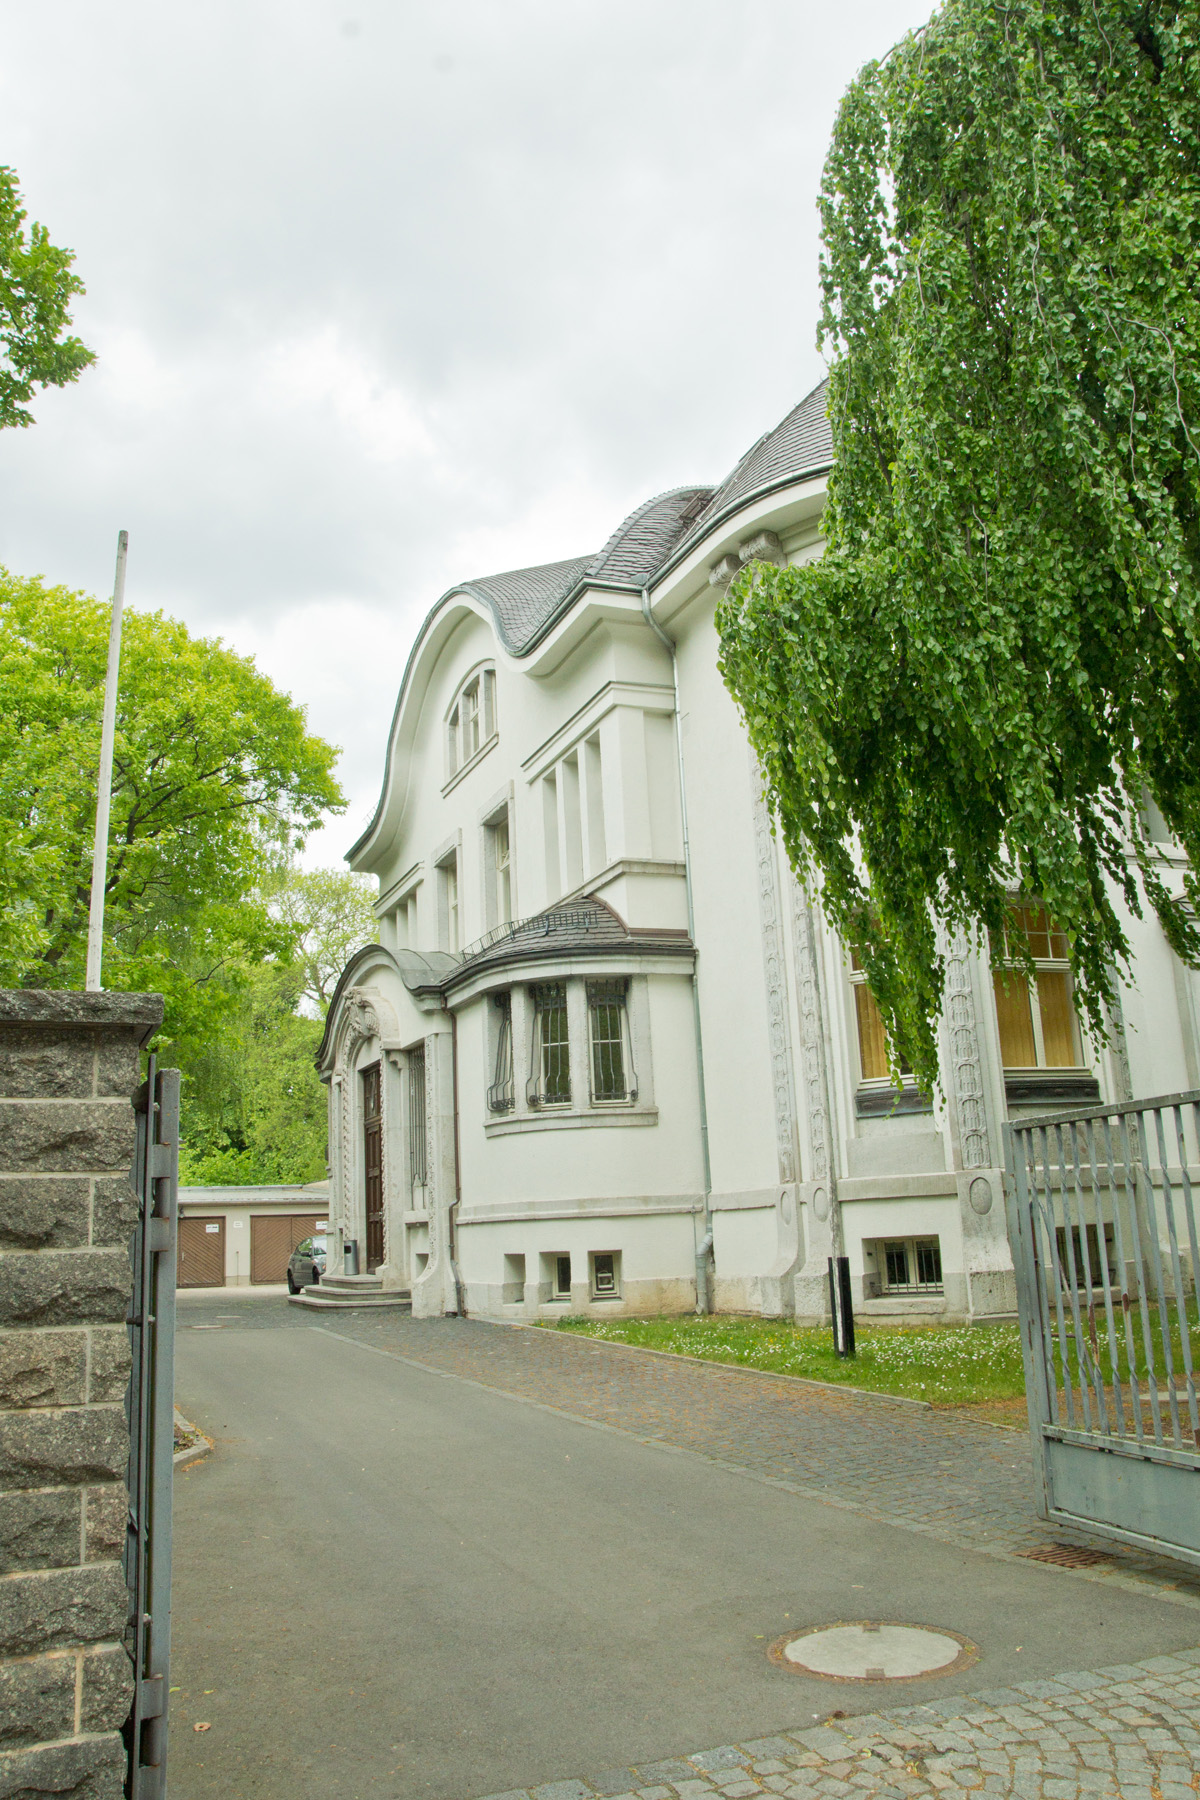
pixel 1104 1232
pixel 152 1428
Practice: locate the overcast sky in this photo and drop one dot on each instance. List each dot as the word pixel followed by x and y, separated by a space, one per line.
pixel 386 295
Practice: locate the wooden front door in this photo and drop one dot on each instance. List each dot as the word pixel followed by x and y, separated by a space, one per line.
pixel 201 1261
pixel 373 1164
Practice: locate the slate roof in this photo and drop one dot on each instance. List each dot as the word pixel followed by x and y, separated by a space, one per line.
pixel 801 444
pixel 525 603
pixel 586 926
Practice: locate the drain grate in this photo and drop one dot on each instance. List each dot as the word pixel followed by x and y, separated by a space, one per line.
pixel 1066 1556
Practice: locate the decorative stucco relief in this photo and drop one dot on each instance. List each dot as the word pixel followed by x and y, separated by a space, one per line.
pixel 966 1072
pixel 775 971
pixel 812 1043
pixel 359 1021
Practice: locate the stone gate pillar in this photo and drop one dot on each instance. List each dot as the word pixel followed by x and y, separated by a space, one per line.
pixel 69 1064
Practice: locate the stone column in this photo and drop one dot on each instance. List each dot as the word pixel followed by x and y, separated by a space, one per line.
pixel 69 1064
pixel 435 1293
pixel 822 1236
pixel 975 1094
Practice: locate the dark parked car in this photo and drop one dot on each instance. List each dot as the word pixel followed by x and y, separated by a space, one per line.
pixel 307 1264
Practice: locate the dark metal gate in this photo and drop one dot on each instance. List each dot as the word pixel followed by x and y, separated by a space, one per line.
pixel 1102 1219
pixel 152 1428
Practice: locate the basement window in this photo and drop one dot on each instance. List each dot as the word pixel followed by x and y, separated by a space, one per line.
pixel 606 1275
pixel 903 1266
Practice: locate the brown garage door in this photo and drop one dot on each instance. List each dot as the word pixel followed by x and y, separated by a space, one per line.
pixel 201 1253
pixel 273 1237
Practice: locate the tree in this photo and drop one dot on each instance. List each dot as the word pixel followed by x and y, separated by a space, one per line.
pixel 255 1108
pixel 215 778
pixel 328 915
pixel 36 287
pixel 996 660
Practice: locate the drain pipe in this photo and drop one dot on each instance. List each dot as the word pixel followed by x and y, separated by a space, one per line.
pixel 460 1292
pixel 704 1296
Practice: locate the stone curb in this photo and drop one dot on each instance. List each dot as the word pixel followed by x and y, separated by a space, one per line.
pixel 191 1453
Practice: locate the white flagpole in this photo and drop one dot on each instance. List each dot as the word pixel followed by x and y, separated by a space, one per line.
pixel 104 786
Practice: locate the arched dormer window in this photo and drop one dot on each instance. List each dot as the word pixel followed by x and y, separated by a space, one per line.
pixel 471 721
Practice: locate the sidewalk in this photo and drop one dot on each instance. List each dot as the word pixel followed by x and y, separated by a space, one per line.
pixel 1131 1732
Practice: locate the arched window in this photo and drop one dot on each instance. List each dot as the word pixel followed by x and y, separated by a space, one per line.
pixel 471 722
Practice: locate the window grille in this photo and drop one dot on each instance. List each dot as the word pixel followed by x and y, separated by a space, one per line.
pixel 551 1050
pixel 500 1094
pixel 1038 1027
pixel 609 1024
pixel 910 1265
pixel 416 1117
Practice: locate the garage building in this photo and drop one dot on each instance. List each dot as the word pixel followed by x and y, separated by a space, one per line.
pixel 243 1236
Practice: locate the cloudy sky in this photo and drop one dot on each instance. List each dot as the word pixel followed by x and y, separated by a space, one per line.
pixel 388 294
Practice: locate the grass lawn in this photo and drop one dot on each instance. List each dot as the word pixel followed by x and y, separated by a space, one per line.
pixel 948 1365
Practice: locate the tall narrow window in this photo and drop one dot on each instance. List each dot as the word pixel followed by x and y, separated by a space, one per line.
pixel 452 756
pixel 591 771
pixel 550 836
pixel 451 932
pixel 609 1030
pixel 500 1094
pixel 489 702
pixel 502 854
pixel 551 1085
pixel 416 1117
pixel 469 708
pixel 1038 1027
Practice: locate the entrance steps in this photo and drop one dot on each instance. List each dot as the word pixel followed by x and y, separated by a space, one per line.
pixel 337 1293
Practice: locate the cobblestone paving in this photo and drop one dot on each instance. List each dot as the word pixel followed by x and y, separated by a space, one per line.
pixel 1132 1732
pixel 955 1479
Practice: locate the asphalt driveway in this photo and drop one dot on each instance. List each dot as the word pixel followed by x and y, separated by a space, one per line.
pixel 393 1580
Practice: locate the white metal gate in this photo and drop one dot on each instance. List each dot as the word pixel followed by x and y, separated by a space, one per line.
pixel 1102 1219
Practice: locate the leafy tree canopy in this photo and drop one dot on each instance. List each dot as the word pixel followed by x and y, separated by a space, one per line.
pixel 255 1108
pixel 36 288
pixel 215 780
pixel 998 654
pixel 328 915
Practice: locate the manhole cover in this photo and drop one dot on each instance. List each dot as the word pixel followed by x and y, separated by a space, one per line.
pixel 864 1651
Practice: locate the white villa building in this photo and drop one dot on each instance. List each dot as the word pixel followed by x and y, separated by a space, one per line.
pixel 605 1057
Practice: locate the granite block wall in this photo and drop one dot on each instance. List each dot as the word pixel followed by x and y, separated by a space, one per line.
pixel 69 1065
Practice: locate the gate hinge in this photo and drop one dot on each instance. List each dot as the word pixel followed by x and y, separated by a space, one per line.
pixel 162 1161
pixel 160 1235
pixel 152 1697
